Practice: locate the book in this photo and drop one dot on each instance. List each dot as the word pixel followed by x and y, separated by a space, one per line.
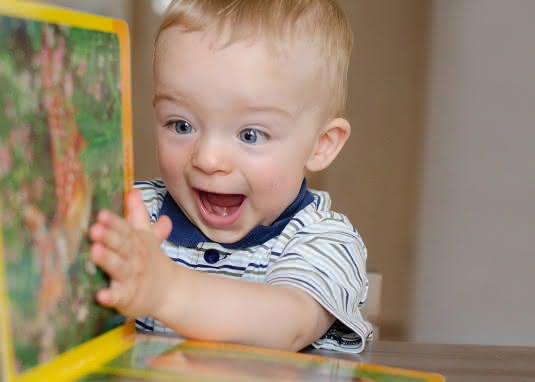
pixel 66 153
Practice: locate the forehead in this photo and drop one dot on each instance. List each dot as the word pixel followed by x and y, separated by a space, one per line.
pixel 256 68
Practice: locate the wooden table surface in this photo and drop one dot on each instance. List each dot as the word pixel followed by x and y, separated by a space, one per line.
pixel 458 363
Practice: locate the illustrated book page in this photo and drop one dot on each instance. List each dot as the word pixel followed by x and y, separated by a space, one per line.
pixel 65 153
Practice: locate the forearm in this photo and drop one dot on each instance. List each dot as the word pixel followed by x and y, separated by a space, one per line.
pixel 203 306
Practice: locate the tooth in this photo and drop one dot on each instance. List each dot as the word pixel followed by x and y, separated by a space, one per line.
pixel 221 211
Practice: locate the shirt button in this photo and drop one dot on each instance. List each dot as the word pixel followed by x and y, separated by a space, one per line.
pixel 211 256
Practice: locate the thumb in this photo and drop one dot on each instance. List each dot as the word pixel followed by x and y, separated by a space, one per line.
pixel 162 227
pixel 138 215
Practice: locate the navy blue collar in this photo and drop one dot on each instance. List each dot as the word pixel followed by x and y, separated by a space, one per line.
pixel 186 234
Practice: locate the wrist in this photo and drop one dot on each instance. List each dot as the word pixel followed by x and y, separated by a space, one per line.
pixel 170 305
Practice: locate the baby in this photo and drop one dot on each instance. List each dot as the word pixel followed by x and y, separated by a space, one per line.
pixel 248 98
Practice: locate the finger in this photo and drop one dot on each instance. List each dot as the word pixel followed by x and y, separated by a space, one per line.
pixel 111 263
pixel 110 297
pixel 108 237
pixel 104 298
pixel 114 222
pixel 162 227
pixel 138 215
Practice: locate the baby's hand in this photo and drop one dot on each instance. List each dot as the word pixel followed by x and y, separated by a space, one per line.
pixel 129 252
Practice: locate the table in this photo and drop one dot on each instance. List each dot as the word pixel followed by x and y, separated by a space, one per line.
pixel 458 363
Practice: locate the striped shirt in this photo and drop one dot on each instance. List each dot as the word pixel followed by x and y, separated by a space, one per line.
pixel 314 249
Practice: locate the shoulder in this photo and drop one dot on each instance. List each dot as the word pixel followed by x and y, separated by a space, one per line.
pixel 319 238
pixel 322 199
pixel 318 223
pixel 153 193
pixel 319 214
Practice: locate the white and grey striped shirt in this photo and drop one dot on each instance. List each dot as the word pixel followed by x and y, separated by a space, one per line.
pixel 316 250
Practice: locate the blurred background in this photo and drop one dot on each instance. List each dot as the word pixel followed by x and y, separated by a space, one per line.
pixel 439 174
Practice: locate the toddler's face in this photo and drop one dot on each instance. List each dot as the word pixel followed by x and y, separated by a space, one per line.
pixel 236 126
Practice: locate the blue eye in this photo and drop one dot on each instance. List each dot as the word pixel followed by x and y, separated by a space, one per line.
pixel 181 127
pixel 252 136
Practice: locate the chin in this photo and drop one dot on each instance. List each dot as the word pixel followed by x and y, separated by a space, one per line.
pixel 224 237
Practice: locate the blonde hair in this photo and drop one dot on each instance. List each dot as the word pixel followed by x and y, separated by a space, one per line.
pixel 321 21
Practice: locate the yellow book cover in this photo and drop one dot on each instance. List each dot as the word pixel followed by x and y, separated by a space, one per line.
pixel 66 153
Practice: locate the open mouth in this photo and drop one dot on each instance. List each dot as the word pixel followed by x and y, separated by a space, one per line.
pixel 219 209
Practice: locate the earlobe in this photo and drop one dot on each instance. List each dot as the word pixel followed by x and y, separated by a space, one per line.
pixel 329 142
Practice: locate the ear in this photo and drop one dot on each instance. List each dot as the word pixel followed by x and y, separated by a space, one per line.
pixel 329 142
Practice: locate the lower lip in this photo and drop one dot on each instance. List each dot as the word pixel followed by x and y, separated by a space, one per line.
pixel 214 220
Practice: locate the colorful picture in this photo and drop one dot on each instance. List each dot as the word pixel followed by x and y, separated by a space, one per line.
pixel 160 359
pixel 61 160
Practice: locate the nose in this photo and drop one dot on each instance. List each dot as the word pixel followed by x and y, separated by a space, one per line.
pixel 211 156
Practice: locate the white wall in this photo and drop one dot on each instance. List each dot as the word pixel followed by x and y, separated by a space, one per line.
pixel 474 279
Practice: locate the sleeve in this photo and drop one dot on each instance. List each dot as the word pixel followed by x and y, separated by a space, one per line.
pixel 327 259
pixel 149 325
pixel 153 193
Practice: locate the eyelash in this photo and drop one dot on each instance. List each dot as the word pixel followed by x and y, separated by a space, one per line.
pixel 172 126
pixel 259 134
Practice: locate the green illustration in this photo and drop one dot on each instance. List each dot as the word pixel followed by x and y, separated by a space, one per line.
pixel 60 162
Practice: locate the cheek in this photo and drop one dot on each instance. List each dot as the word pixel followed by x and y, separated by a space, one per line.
pixel 171 157
pixel 274 186
pixel 274 174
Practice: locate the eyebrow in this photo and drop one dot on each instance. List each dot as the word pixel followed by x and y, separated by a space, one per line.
pixel 158 97
pixel 268 109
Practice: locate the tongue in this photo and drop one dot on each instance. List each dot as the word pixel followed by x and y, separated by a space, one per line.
pixel 223 200
pixel 222 204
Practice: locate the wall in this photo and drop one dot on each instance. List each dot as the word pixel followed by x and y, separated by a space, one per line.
pixel 144 26
pixel 475 255
pixel 374 179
